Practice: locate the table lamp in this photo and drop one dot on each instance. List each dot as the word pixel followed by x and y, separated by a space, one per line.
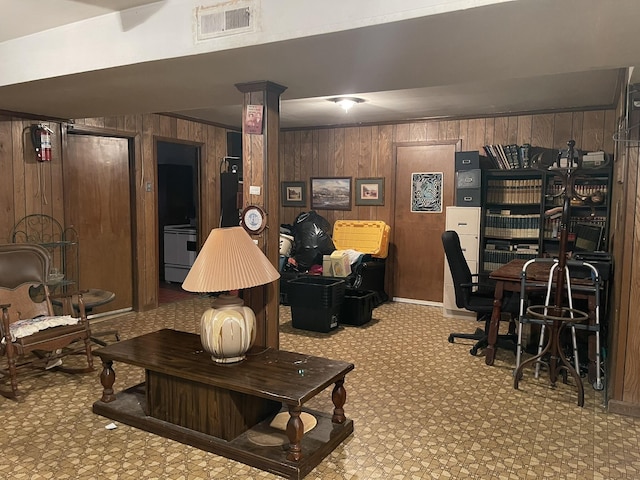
pixel 228 261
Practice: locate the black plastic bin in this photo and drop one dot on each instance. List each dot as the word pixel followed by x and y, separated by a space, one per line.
pixel 357 308
pixel 285 278
pixel 315 302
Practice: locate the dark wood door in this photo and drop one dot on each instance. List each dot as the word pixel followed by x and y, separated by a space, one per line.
pixel 419 256
pixel 98 205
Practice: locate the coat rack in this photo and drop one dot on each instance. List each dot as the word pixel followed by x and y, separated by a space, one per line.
pixel 568 165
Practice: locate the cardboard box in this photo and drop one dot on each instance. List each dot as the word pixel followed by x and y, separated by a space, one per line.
pixel 340 264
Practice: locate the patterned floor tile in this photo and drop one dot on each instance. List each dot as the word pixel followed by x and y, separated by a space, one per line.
pixel 422 408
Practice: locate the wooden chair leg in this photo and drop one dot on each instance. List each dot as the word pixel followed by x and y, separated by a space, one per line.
pixel 13 373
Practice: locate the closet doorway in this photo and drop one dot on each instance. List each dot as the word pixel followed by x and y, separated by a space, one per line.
pixel 178 213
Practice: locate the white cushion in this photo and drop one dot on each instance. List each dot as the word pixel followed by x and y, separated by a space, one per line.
pixel 29 326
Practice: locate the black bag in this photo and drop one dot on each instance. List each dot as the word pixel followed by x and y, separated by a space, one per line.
pixel 312 240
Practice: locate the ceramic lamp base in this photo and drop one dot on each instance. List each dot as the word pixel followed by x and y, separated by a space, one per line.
pixel 227 331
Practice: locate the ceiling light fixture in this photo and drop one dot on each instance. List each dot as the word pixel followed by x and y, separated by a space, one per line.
pixel 346 102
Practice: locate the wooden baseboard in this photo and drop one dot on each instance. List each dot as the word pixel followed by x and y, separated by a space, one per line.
pixel 624 408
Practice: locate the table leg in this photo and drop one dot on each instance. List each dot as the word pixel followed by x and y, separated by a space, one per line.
pixel 107 379
pixel 494 325
pixel 339 397
pixel 295 430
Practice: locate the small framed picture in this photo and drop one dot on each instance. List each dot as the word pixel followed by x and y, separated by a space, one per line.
pixel 370 191
pixel 294 194
pixel 331 193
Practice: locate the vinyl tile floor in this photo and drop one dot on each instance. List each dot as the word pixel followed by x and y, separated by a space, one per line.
pixel 422 408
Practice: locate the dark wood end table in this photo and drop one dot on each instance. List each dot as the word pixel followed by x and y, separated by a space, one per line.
pixel 191 399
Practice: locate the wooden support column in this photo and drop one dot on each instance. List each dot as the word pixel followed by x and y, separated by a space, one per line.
pixel 260 171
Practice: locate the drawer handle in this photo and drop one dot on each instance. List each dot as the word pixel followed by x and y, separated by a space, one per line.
pixel 462 224
pixel 466 161
pixel 467 199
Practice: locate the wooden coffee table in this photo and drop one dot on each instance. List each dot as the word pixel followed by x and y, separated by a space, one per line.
pixel 216 407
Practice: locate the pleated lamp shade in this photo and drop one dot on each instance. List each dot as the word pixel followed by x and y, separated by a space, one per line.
pixel 229 260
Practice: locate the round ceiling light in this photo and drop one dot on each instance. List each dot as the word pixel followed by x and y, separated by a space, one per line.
pixel 346 102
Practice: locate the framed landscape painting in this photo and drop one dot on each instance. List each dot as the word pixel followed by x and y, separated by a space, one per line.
pixel 331 193
pixel 294 194
pixel 370 191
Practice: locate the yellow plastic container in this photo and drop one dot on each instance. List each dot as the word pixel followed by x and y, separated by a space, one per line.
pixel 366 236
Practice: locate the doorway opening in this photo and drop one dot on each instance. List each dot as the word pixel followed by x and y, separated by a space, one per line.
pixel 178 211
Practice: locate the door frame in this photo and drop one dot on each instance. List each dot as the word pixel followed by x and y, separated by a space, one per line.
pixel 133 141
pixel 390 273
pixel 200 215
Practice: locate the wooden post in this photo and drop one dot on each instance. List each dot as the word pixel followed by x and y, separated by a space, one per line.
pixel 261 187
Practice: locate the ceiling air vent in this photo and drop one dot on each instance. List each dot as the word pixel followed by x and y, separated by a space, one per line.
pixel 224 19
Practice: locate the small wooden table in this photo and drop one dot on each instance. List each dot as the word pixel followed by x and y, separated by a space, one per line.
pixel 189 398
pixel 91 298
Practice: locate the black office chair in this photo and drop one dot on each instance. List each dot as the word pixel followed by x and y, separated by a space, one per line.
pixel 472 296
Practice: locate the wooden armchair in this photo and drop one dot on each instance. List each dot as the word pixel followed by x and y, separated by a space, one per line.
pixel 32 335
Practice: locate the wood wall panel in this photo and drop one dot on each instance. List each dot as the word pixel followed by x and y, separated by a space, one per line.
pixel 542 131
pixel 524 129
pixel 6 180
pixel 27 186
pixel 562 131
pixel 333 150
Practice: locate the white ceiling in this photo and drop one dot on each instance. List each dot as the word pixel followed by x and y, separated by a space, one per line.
pixel 514 56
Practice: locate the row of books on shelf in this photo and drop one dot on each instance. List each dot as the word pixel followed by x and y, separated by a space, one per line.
pixel 506 157
pixel 511 246
pixel 517 191
pixel 583 190
pixel 504 224
pixel 494 259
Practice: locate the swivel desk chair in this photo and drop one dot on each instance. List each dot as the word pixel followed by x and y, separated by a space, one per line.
pixel 471 296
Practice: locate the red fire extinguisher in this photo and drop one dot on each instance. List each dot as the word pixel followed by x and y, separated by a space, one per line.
pixel 41 138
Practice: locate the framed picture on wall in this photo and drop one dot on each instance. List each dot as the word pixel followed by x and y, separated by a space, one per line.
pixel 331 193
pixel 370 191
pixel 426 192
pixel 294 194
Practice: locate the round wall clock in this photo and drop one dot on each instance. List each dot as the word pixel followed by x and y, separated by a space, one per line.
pixel 254 219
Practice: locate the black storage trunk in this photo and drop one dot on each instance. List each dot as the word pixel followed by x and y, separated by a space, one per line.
pixel 315 302
pixel 357 308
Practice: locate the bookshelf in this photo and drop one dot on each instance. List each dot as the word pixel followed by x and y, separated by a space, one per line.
pixel 514 223
pixel 512 210
pixel 590 206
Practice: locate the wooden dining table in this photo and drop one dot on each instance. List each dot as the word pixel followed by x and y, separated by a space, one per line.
pixel 508 279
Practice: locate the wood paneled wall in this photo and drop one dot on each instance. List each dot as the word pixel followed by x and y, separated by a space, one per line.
pixel 624 333
pixel 368 151
pixel 27 186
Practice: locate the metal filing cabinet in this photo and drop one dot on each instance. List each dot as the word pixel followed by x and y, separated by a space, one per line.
pixel 466 222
